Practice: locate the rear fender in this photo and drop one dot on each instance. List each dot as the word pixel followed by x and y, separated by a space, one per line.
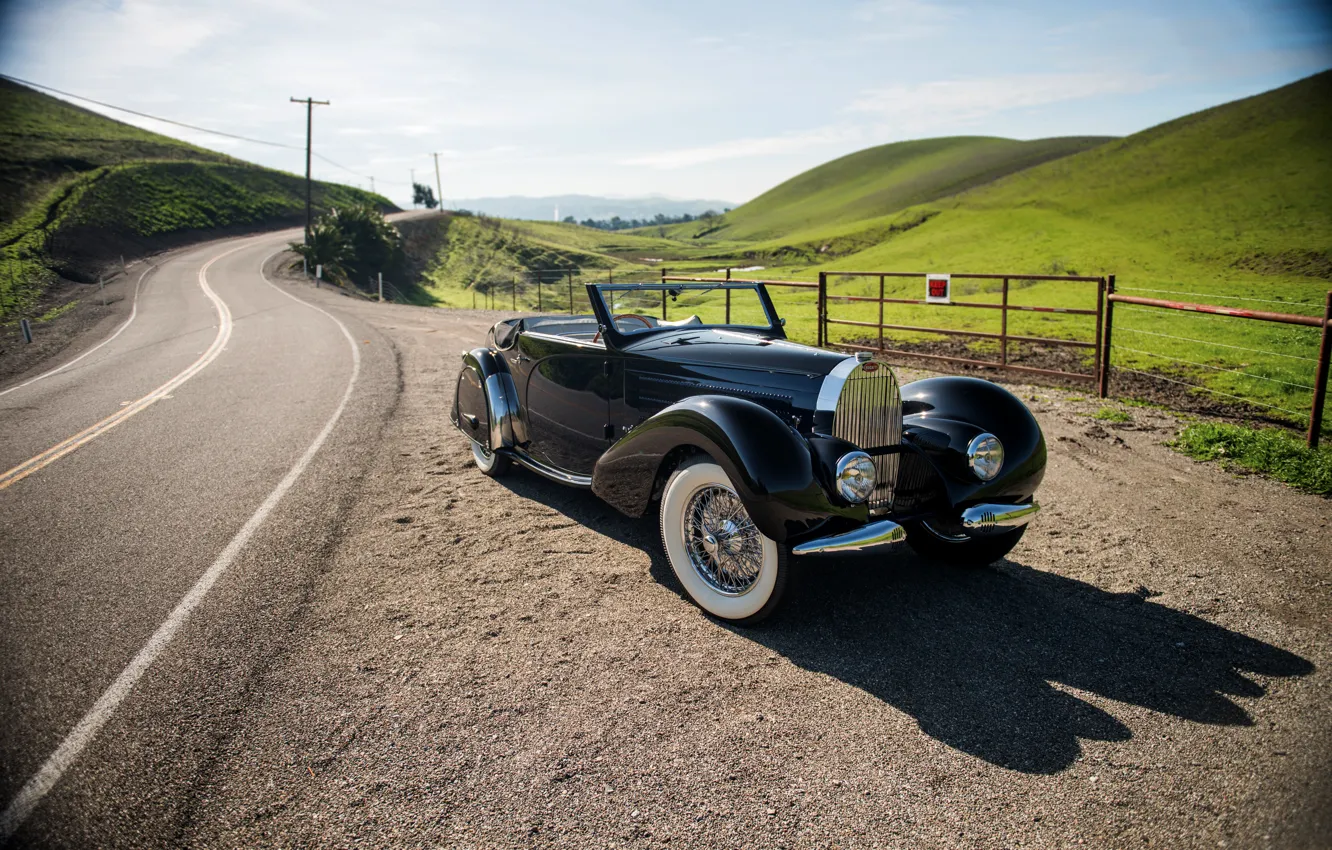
pixel 485 406
pixel 769 464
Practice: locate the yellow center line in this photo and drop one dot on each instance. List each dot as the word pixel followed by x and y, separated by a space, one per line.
pixel 87 435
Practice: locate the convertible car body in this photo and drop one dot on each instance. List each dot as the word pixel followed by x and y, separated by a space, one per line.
pixel 752 448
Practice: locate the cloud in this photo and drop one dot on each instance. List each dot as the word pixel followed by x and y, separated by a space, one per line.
pixel 966 100
pixel 744 148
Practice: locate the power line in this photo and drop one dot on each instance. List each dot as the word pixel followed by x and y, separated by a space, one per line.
pixel 356 173
pixel 152 117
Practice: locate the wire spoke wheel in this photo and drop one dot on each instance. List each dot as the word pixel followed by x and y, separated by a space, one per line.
pixel 723 561
pixel 724 546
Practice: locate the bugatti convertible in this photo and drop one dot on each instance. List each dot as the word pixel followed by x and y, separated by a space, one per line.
pixel 688 399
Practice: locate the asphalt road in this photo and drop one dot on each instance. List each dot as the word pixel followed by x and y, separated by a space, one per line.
pixel 405 653
pixel 214 394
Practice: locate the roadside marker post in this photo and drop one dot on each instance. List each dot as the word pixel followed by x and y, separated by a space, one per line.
pixel 319 274
pixel 124 269
pixel 305 268
pixel 27 331
pixel 381 287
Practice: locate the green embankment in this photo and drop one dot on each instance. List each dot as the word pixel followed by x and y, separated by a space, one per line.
pixel 77 188
pixel 462 257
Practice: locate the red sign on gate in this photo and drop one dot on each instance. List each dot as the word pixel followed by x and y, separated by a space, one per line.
pixel 936 288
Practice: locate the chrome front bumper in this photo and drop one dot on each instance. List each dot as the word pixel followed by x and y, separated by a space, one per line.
pixel 980 520
pixel 875 537
pixel 976 521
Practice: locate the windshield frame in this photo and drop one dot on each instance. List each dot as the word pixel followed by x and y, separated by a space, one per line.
pixel 618 339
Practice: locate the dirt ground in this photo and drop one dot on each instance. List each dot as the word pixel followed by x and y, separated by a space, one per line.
pixel 509 663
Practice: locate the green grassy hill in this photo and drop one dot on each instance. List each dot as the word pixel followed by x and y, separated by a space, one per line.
pixel 1245 187
pixel 879 181
pixel 77 188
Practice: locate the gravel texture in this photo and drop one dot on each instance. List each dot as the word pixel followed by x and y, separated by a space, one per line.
pixel 508 663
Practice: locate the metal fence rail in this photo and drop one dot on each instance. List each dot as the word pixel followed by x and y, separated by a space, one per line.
pixel 1003 336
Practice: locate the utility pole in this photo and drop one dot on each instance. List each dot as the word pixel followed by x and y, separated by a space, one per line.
pixel 310 104
pixel 439 187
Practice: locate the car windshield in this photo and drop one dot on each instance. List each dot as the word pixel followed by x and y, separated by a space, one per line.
pixel 641 307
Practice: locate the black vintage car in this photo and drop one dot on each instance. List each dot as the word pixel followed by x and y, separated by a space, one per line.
pixel 753 447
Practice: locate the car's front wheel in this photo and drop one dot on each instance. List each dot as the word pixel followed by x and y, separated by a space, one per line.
pixel 489 462
pixel 726 565
pixel 944 542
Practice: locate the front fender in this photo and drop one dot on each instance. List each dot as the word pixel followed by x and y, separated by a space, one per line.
pixel 942 415
pixel 769 464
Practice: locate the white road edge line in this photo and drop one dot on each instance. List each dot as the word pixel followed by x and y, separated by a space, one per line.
pixel 74 743
pixel 134 311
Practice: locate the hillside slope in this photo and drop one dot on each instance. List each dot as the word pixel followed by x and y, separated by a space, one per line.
pixel 1238 190
pixel 77 188
pixel 882 180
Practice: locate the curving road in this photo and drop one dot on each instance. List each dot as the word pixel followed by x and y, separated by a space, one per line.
pixel 165 501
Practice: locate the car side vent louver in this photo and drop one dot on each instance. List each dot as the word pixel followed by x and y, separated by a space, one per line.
pixel 869 414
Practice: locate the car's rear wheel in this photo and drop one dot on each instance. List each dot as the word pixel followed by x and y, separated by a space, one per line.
pixel 944 542
pixel 489 462
pixel 726 565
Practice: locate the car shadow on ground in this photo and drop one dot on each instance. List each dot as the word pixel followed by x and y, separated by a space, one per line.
pixel 985 660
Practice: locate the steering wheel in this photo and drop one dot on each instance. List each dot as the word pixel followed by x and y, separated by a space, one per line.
pixel 647 323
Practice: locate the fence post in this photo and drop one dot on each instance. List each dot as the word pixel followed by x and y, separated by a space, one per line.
pixel 1320 381
pixel 1103 383
pixel 821 336
pixel 541 308
pixel 881 312
pixel 514 292
pixel 570 276
pixel 26 328
pixel 474 296
pixel 1003 326
pixel 381 286
pixel 1100 324
pixel 728 297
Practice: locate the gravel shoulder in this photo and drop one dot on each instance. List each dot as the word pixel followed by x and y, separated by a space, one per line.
pixel 508 663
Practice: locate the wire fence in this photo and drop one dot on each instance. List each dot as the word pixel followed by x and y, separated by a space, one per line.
pixel 1277 376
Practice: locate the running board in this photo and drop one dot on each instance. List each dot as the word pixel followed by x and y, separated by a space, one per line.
pixel 558 476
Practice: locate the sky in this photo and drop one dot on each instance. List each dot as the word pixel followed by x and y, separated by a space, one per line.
pixel 685 99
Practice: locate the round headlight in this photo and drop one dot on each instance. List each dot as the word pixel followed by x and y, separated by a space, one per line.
pixel 855 477
pixel 986 455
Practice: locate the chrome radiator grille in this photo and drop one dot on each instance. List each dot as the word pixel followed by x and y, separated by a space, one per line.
pixel 869 414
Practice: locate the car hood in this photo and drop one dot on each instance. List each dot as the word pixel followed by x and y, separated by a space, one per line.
pixel 731 349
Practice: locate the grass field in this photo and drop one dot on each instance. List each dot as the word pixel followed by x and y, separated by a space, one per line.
pixel 75 184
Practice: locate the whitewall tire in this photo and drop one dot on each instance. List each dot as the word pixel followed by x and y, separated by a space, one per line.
pixel 488 462
pixel 726 565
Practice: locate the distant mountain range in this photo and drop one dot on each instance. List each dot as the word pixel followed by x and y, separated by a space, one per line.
pixel 584 206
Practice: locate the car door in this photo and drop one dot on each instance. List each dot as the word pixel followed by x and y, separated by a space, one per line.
pixel 566 389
